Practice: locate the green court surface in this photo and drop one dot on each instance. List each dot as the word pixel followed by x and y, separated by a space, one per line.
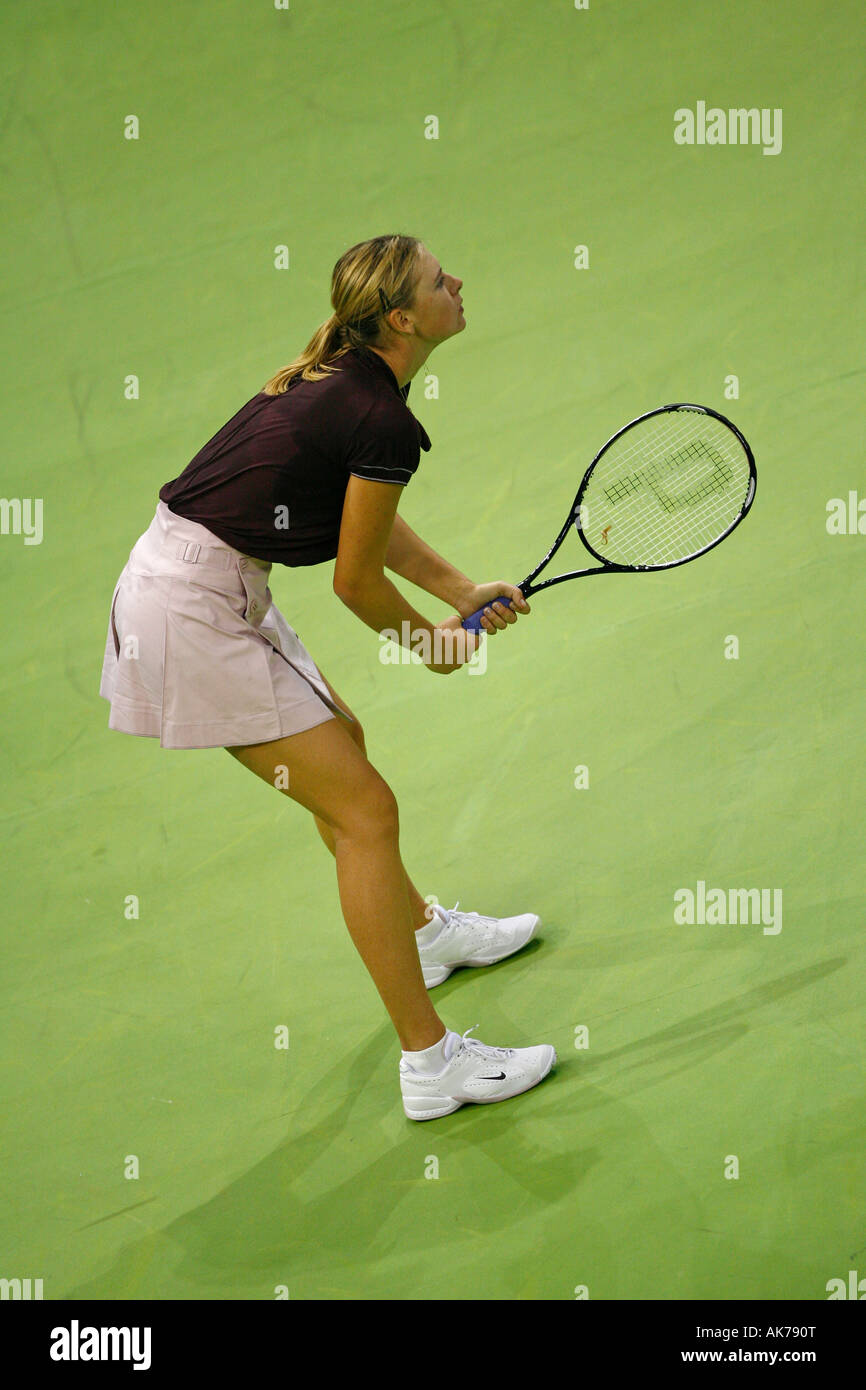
pixel 702 1136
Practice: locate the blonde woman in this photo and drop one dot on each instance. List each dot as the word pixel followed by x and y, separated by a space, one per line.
pixel 310 470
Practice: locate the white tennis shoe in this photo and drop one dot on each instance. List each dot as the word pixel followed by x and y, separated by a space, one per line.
pixel 467 939
pixel 474 1074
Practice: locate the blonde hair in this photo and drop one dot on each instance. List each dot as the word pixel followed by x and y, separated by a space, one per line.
pixel 368 281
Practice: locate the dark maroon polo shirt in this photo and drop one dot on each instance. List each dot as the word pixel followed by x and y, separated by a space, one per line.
pixel 271 483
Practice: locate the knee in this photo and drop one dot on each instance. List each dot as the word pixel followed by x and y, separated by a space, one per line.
pixel 375 814
pixel 383 808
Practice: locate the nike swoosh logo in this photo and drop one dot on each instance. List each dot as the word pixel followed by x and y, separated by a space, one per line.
pixel 500 1077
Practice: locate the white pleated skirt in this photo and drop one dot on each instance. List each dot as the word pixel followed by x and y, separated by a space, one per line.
pixel 197 654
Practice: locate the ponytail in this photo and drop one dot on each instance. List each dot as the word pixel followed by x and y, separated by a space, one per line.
pixel 368 281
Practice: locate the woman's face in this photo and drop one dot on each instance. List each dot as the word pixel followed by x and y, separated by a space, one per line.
pixel 438 309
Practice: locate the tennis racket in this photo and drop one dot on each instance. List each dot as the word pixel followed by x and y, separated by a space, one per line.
pixel 663 490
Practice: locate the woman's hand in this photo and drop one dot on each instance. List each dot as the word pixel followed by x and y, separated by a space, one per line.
pixel 457 646
pixel 482 595
pixel 453 646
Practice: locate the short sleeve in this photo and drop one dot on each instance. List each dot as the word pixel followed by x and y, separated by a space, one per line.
pixel 386 446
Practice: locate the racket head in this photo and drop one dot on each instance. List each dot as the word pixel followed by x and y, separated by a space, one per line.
pixel 666 488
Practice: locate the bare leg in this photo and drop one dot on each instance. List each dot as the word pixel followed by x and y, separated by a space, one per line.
pixel 330 776
pixel 418 906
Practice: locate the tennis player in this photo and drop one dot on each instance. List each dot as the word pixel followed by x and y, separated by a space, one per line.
pixel 312 469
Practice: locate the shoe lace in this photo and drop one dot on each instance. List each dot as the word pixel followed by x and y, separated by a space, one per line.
pixel 476 1045
pixel 474 915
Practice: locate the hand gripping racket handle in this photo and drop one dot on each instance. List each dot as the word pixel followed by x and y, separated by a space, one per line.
pixel 473 622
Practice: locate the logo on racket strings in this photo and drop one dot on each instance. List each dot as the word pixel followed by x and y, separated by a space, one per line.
pixel 695 484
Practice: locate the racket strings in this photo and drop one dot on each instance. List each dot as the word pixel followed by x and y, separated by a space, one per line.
pixel 652 540
pixel 667 489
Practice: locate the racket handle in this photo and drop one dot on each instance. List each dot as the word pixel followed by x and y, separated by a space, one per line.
pixel 473 622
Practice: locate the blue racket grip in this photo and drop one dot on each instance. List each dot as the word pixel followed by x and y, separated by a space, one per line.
pixel 473 622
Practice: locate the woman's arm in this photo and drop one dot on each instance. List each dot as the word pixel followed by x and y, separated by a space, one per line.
pixel 369 510
pixel 411 558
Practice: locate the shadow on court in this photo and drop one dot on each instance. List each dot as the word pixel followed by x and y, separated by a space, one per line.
pixel 268 1222
pixel 717 1022
pixel 284 1217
